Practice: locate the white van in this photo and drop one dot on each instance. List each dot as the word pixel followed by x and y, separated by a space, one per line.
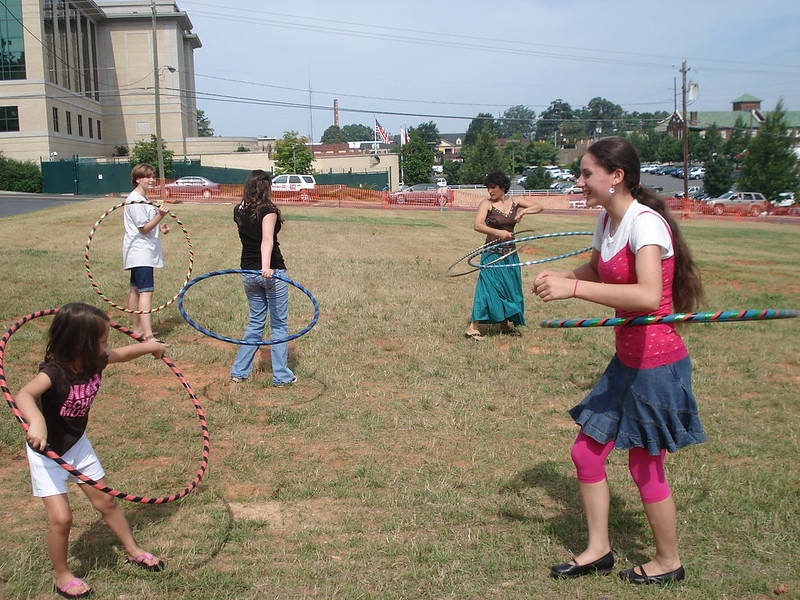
pixel 293 183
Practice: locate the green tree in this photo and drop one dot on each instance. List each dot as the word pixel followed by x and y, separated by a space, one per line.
pixel 602 116
pixel 451 171
pixel 204 128
pixel 20 175
pixel 121 151
pixel 482 157
pixel 537 179
pixel 514 154
pixel 293 155
pixel 147 152
pixel 670 149
pixel 548 127
pixel 708 145
pixel 770 165
pixel 517 119
pixel 242 148
pixel 418 164
pixel 738 141
pixel 719 175
pixel 477 125
pixel 429 132
pixel 541 153
pixel 334 135
pixel 646 144
pixel 358 133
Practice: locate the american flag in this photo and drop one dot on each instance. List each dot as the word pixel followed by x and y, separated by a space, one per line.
pixel 382 133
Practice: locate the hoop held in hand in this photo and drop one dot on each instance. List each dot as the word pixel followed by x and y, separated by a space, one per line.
pixel 75 472
pixel 89 270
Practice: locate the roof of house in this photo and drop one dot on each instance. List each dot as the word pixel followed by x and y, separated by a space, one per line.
pixel 747 98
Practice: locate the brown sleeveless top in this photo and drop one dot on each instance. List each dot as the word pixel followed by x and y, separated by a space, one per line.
pixel 498 220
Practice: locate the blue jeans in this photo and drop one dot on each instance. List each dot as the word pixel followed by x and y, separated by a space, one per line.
pixel 265 295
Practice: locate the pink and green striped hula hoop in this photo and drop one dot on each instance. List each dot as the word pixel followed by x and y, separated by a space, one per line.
pixel 75 472
pixel 722 316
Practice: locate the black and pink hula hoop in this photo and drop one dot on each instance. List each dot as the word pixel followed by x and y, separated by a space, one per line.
pixel 89 269
pixel 75 472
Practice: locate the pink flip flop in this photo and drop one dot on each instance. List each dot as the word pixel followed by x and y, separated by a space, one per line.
pixel 64 589
pixel 139 561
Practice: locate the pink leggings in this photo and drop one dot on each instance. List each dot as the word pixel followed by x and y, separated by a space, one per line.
pixel 647 471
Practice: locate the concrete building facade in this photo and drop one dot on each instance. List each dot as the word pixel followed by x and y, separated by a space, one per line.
pixel 77 77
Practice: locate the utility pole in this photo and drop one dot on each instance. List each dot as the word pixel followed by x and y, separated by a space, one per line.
pixel 159 143
pixel 685 144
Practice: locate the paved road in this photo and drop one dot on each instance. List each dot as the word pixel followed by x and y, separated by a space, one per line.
pixel 12 203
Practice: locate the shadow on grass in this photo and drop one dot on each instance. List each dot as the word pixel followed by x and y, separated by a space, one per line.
pixel 629 532
pixel 98 547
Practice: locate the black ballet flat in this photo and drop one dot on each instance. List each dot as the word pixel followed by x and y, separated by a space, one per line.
pixel 601 566
pixel 645 579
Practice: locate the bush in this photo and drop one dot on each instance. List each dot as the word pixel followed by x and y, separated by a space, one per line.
pixel 20 176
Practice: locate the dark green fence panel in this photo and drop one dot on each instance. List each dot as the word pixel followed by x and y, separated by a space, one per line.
pixel 370 181
pixel 98 179
pixel 60 177
pixel 87 177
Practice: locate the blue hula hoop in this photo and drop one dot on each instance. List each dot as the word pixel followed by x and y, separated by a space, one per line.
pixel 525 239
pixel 189 320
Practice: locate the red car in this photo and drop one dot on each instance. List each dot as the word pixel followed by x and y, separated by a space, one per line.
pixel 429 194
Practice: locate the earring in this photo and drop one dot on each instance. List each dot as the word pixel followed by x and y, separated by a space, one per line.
pixel 611 190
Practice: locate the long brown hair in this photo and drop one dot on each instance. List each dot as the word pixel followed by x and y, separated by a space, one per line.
pixel 257 194
pixel 73 341
pixel 614 153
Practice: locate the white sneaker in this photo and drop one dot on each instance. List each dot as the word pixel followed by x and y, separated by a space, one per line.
pixel 285 383
pixel 238 379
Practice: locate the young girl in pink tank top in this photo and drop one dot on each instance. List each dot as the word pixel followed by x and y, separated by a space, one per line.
pixel 643 403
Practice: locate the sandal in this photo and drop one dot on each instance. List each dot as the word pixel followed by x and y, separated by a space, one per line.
pixel 474 336
pixel 139 561
pixel 511 331
pixel 64 589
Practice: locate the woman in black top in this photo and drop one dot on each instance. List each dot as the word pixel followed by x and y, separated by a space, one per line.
pixel 259 222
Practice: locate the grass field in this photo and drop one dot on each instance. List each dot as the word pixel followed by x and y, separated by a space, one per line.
pixel 408 462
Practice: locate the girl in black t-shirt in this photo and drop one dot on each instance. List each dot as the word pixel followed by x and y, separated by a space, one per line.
pixel 56 404
pixel 259 222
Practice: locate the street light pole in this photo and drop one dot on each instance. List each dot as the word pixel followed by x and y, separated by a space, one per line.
pixel 159 143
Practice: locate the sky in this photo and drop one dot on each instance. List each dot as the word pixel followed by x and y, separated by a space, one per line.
pixel 271 66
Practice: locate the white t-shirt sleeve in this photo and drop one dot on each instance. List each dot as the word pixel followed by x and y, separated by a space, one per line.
pixel 140 214
pixel 650 229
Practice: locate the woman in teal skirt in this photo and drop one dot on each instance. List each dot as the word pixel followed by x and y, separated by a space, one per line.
pixel 498 293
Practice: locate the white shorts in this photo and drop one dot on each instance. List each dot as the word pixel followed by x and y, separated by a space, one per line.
pixel 48 478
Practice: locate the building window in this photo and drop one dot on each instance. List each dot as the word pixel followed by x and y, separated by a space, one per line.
pixel 91 128
pixel 80 125
pixel 12 45
pixel 99 134
pixel 69 36
pixel 68 119
pixel 9 118
pixel 55 119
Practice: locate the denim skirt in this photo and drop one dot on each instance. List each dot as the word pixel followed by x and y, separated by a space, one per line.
pixel 498 293
pixel 653 409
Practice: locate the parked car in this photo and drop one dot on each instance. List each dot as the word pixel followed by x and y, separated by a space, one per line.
pixel 191 186
pixel 783 204
pixel 564 176
pixel 293 183
pixel 697 173
pixel 649 168
pixel 665 170
pixel 422 193
pixel 677 173
pixel 694 191
pixel 299 185
pixel 743 203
